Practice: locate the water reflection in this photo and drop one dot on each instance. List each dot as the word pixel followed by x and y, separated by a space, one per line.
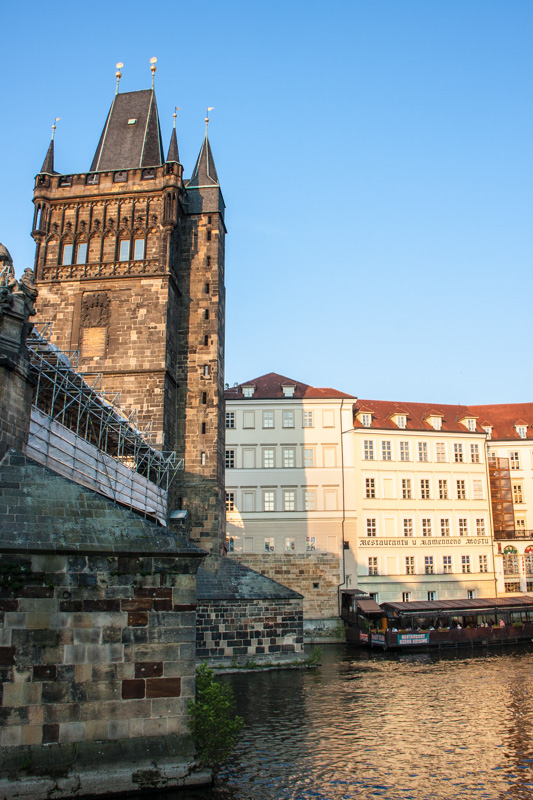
pixel 422 726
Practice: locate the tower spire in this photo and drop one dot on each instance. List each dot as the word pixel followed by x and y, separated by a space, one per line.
pixel 173 154
pixel 48 163
pixel 204 173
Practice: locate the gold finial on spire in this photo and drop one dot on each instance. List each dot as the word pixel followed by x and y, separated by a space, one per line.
pixel 153 69
pixel 54 126
pixel 209 108
pixel 175 114
pixel 118 74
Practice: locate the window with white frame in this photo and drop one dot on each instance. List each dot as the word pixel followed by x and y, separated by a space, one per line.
pixel 386 451
pixel 471 424
pixel 230 501
pixel 483 563
pixel 371 526
pixel 443 489
pixel 474 453
pixel 370 487
pixel 424 488
pixel 269 500
pixel 406 597
pixel 422 451
pixel 309 499
pixel 366 420
pixel 409 565
pixel 404 451
pixel 269 544
pixel 408 527
pixel 288 457
pixel 440 451
pixel 429 566
pixel 230 419
pixel 461 489
pixel 268 419
pixel 268 458
pixel 288 391
pixel 521 431
pixel 445 526
pixel 471 594
pixel 288 419
pixel 406 489
pixel 401 420
pixel 480 526
pixel 520 524
pixel 368 450
pixel 230 459
pixel 432 596
pixel 289 544
pixel 426 526
pixel 309 457
pixel 518 496
pixel 488 430
pixel 436 423
pixel 289 500
pixel 514 459
pixel 310 543
pixel 465 564
pixel 458 453
pixel 373 565
pixel 463 526
pixel 248 391
pixel 307 419
pixel 477 490
pixel 446 564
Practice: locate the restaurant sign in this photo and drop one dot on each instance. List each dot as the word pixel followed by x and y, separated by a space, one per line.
pixel 430 541
pixel 413 638
pixel 378 638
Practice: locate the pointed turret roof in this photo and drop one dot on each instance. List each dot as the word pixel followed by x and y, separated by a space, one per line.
pixel 48 163
pixel 173 154
pixel 131 137
pixel 204 173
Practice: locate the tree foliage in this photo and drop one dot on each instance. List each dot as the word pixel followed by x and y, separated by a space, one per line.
pixel 214 723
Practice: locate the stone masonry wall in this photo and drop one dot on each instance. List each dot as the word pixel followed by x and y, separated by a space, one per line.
pixel 243 629
pixel 302 573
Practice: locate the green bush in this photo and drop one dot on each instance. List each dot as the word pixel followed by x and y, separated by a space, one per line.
pixel 214 723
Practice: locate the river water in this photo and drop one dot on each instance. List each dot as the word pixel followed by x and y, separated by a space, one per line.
pixel 403 727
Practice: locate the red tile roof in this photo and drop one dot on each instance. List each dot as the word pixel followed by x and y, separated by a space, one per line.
pixel 269 387
pixel 417 413
pixel 504 417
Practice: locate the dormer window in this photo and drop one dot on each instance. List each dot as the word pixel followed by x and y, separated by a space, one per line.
pixel 435 420
pixel 288 391
pixel 488 430
pixel 471 424
pixel 521 431
pixel 366 420
pixel 401 420
pixel 132 121
pixel 247 391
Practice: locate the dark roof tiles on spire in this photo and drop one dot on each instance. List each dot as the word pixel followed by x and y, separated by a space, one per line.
pixel 204 173
pixel 48 163
pixel 173 154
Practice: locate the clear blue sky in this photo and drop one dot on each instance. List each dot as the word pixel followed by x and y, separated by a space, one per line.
pixel 375 159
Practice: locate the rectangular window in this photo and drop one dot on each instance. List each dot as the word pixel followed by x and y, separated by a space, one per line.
pixel 268 419
pixel 518 496
pixel 230 501
pixel 483 563
pixel 289 500
pixel 310 544
pixel 463 526
pixel 386 451
pixel 404 451
pixel 231 544
pixel 424 489
pixel 371 527
pixel 408 527
pixel 268 458
pixel 422 451
pixel 521 431
pixel 308 419
pixel 409 565
pixel 474 453
pixel 309 500
pixel 458 453
pixel 288 419
pixel 446 564
pixel 230 459
pixel 441 452
pixel 368 450
pixel 432 596
pixel 445 527
pixel 248 419
pixel 465 563
pixel 477 490
pixel 309 457
pixel 81 255
pixel 268 501
pixel 373 565
pixel 429 568
pixel 289 544
pixel 124 250
pixel 406 597
pixel 230 419
pixel 471 594
pixel 370 487
pixel 138 249
pixel 269 544
pixel 406 488
pixel 366 420
pixel 426 527
pixel 514 459
pixel 461 490
pixel 67 254
pixel 443 489
pixel 288 457
pixel 248 457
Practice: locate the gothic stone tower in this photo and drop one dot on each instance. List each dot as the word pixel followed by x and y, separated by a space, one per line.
pixel 130 270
